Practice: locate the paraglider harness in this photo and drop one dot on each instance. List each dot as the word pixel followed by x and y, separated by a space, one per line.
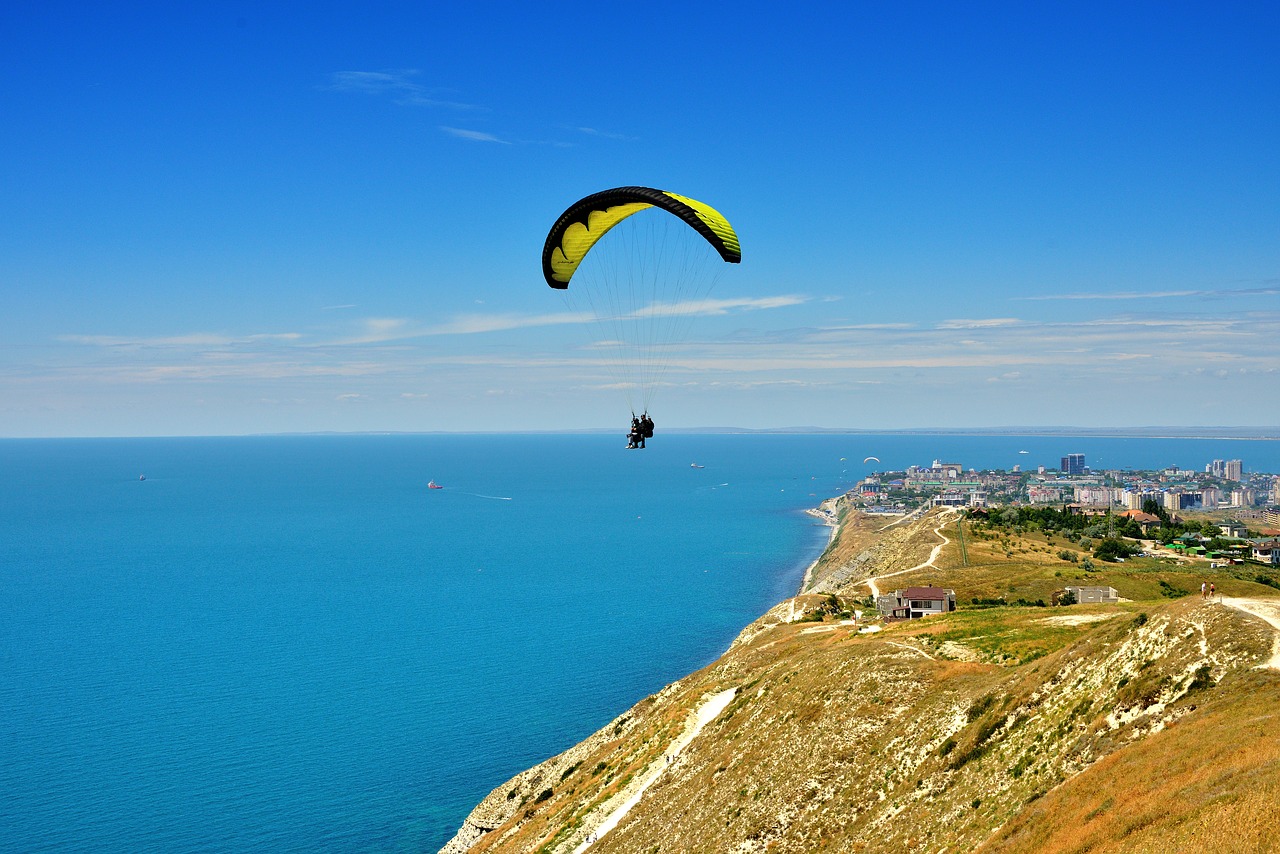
pixel 641 429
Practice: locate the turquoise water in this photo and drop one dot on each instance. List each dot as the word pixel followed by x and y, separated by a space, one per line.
pixel 289 643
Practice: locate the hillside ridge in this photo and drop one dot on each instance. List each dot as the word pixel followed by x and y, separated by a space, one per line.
pixel 948 733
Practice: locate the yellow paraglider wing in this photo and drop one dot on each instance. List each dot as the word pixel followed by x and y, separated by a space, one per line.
pixel 581 226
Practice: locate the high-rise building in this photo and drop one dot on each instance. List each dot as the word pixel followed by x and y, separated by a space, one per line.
pixel 1233 469
pixel 1073 464
pixel 1243 497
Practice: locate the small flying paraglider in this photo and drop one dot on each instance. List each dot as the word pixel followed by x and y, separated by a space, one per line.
pixel 643 283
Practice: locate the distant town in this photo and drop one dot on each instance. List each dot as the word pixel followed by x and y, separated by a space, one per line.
pixel 1251 499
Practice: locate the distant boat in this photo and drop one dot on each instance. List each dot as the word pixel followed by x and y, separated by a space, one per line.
pixel 142 477
pixel 1024 452
pixel 431 484
pixel 696 466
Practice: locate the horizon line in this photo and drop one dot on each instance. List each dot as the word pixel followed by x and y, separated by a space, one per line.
pixel 1246 433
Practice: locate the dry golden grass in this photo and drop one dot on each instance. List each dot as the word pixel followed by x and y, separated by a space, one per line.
pixel 1028 566
pixel 1210 782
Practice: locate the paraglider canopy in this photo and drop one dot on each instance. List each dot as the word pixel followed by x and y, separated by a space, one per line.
pixel 637 264
pixel 586 221
pixel 869 459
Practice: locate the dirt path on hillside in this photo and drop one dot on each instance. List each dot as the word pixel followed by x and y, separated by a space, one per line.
pixel 943 520
pixel 1266 609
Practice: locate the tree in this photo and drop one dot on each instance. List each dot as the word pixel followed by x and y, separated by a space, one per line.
pixel 1150 505
pixel 1112 549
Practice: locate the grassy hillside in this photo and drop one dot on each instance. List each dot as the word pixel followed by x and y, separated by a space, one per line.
pixel 1143 725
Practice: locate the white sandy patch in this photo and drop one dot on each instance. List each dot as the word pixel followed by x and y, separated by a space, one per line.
pixel 830 627
pixel 1076 619
pixel 1267 609
pixel 959 651
pixel 631 795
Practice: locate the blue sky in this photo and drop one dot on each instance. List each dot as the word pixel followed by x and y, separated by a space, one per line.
pixel 243 218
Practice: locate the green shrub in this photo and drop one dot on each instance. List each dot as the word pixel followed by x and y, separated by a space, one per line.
pixel 979 706
pixel 1112 549
pixel 1203 678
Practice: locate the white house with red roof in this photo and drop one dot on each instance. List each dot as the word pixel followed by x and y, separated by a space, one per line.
pixel 915 602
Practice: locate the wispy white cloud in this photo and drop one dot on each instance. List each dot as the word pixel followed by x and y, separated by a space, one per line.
pixel 604 134
pixel 1018 350
pixel 984 323
pixel 1144 350
pixel 710 307
pixel 379 330
pixel 399 85
pixel 470 324
pixel 191 339
pixel 867 326
pixel 473 135
pixel 754 384
pixel 1156 295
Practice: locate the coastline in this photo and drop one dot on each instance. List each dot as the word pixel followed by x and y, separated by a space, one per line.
pixel 497 808
pixel 829 512
pixel 780 744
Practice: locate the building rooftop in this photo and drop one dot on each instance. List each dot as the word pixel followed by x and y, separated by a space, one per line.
pixel 927 593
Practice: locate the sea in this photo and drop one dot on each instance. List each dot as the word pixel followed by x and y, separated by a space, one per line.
pixel 291 643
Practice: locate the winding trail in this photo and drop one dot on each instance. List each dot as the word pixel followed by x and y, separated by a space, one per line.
pixel 706 713
pixel 943 519
pixel 1266 609
pixel 917 650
